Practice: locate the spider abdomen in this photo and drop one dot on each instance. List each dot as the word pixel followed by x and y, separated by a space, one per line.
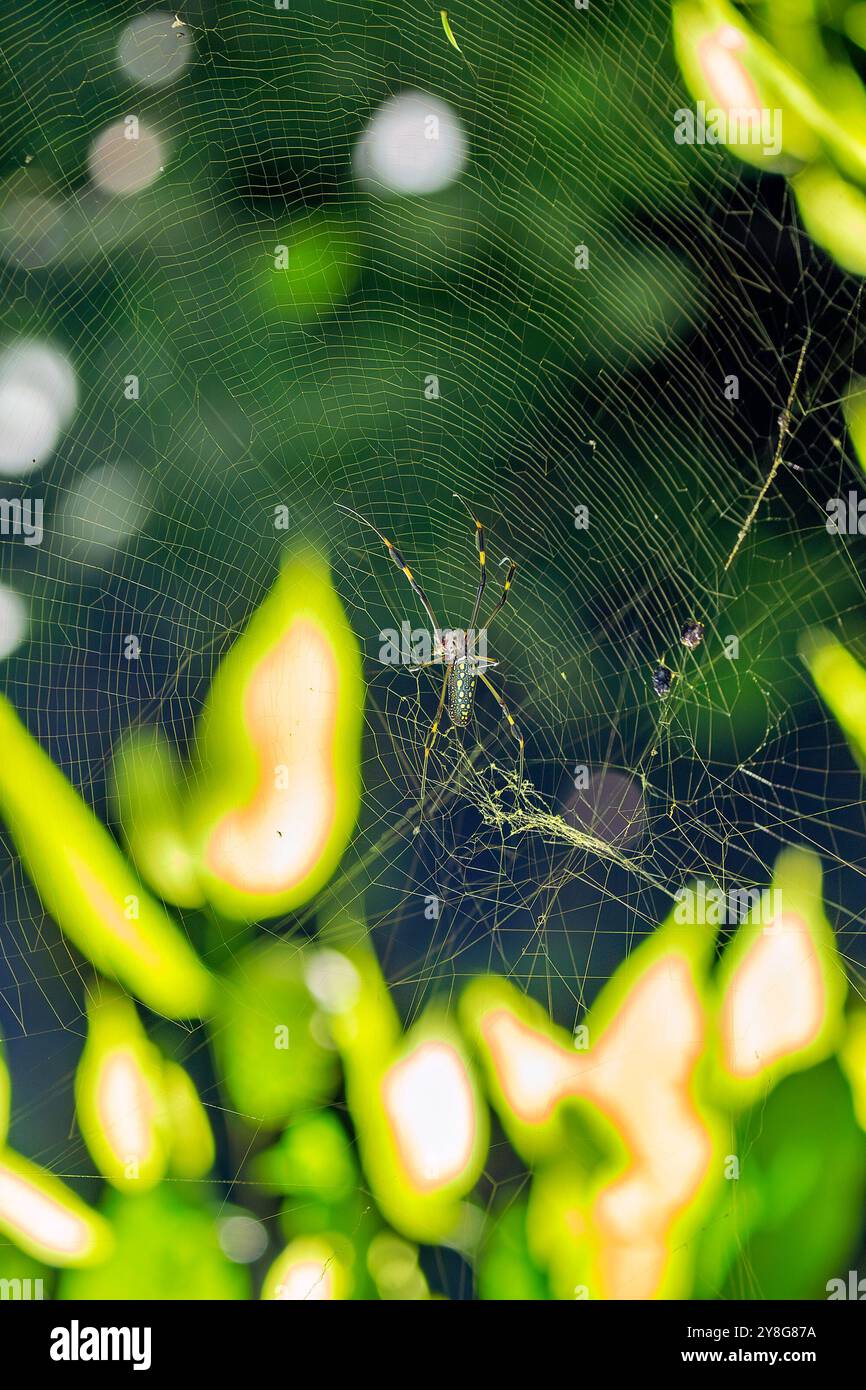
pixel 461 693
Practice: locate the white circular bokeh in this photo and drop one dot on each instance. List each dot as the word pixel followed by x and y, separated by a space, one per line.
pixel 103 510
pixel 152 52
pixel 242 1239
pixel 38 395
pixel 126 158
pixel 413 144
pixel 332 980
pixel 14 621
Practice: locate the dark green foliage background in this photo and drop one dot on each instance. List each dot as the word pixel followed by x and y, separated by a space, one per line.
pixel 558 388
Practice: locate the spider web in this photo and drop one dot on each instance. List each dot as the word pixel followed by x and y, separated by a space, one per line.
pixel 557 388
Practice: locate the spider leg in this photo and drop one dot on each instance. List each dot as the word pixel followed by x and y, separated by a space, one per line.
pixel 428 746
pixel 415 666
pixel 511 724
pixel 400 563
pixel 482 561
pixel 509 579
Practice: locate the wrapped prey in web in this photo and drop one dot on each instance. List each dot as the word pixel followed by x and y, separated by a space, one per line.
pixel 277 779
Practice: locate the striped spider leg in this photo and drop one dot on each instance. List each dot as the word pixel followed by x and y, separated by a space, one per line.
pixel 453 649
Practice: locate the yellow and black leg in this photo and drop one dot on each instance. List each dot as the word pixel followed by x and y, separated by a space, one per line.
pixel 400 563
pixel 509 718
pixel 509 580
pixel 428 746
pixel 482 561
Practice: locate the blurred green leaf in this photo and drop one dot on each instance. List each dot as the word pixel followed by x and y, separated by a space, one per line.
pixel 505 1269
pixel 313 1157
pixel 47 1218
pixel 790 1222
pixel 841 682
pixel 146 792
pixel 834 214
pixel 87 885
pixel 264 1033
pixel 277 782
pixel 166 1249
pixel 307 269
pixel 15 1265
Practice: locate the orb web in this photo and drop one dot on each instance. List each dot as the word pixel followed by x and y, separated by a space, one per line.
pixel 291 298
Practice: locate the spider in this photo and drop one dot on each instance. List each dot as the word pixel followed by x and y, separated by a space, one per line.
pixel 454 648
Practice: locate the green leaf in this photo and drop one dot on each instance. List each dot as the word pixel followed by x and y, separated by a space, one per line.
pixel 87 885
pixel 506 1269
pixel 21 1276
pixel 841 682
pixel 166 1248
pixel 146 792
pixel 272 1063
pixel 312 1157
pixel 834 214
pixel 791 1221
pixel 277 773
